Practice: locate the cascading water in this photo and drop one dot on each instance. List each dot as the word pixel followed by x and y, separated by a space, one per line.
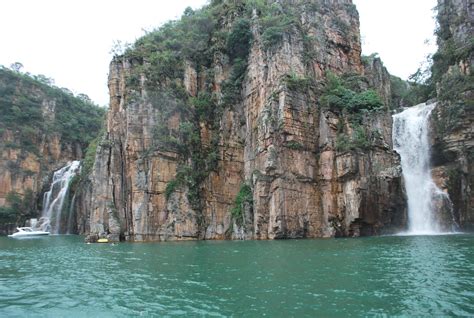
pixel 425 200
pixel 54 200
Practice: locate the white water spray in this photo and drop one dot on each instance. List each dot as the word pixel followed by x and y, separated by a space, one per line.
pixel 410 140
pixel 54 199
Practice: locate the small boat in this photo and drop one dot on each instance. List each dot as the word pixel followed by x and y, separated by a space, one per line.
pixel 27 231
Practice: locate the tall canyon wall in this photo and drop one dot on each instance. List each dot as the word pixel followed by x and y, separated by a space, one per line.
pixel 453 122
pixel 202 150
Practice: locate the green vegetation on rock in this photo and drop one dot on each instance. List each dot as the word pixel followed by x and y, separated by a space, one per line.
pixel 438 78
pixel 19 208
pixel 170 188
pixel 89 157
pixel 192 72
pixel 346 97
pixel 30 108
pixel 452 75
pixel 295 145
pixel 162 57
pixel 298 83
pixel 358 140
pixel 245 196
pixel 340 95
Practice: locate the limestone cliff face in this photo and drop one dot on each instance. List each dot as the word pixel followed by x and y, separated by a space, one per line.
pixel 268 164
pixel 32 144
pixel 453 122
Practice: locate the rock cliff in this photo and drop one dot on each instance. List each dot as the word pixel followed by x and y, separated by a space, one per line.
pixel 247 120
pixel 453 122
pixel 41 129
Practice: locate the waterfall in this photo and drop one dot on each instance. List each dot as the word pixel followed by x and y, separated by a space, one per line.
pixel 426 201
pixel 54 200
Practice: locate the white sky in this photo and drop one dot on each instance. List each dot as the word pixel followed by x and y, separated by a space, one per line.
pixel 70 41
pixel 401 31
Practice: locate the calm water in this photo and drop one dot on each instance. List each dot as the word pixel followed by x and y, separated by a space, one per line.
pixel 60 276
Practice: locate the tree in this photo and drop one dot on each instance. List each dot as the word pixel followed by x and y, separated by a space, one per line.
pixel 84 98
pixel 239 40
pixel 188 12
pixel 44 79
pixel 16 67
pixel 119 48
pixel 67 91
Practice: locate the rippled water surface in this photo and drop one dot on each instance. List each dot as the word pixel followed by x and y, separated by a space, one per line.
pixel 61 276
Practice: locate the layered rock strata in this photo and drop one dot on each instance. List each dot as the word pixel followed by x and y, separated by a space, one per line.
pixel 274 139
pixel 453 121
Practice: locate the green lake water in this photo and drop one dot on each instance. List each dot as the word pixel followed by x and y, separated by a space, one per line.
pixel 60 276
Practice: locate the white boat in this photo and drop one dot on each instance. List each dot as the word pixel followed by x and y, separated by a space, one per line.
pixel 27 231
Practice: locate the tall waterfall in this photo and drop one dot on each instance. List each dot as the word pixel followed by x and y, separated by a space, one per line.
pixel 52 217
pixel 426 201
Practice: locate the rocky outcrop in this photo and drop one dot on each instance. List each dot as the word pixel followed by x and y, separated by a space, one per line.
pixel 378 78
pixel 22 170
pixel 264 164
pixel 453 121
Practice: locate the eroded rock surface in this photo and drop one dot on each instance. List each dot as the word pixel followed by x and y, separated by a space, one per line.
pixel 453 121
pixel 275 138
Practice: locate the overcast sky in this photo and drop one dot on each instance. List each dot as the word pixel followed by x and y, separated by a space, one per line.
pixel 70 41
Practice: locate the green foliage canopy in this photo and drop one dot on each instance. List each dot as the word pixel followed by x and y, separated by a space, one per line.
pixel 338 96
pixel 23 100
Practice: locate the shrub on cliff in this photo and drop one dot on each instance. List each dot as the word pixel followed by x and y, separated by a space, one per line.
pixel 7 214
pixel 338 97
pixel 19 208
pixel 165 49
pixel 359 139
pixel 298 83
pixel 239 39
pixel 245 196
